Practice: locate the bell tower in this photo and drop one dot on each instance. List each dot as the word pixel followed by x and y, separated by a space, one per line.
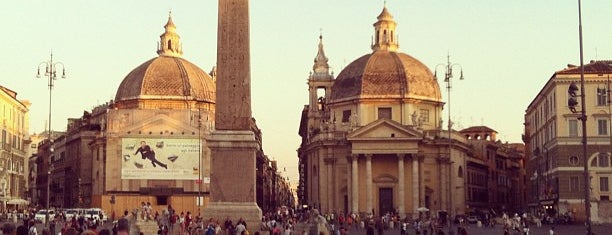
pixel 320 83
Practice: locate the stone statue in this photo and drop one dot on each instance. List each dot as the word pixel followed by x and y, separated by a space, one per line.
pixel 414 118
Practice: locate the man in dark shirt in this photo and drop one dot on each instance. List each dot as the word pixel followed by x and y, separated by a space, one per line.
pixel 9 229
pixel 146 152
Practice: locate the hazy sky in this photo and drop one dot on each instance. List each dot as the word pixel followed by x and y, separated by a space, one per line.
pixel 508 50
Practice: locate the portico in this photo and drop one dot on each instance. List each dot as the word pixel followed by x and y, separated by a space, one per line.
pixel 385 158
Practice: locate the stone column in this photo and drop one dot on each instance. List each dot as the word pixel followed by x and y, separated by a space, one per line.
pixel 349 184
pixel 415 183
pixel 355 185
pixel 369 183
pixel 400 176
pixel 330 185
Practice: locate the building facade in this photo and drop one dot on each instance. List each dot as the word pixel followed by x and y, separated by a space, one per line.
pixel 553 138
pixel 14 114
pixel 494 173
pixel 372 138
pixel 167 104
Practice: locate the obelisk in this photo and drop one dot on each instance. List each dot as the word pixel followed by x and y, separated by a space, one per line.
pixel 232 144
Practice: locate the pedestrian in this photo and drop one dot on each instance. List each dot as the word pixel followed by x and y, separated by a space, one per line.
pixel 22 230
pixel 403 228
pixel 551 231
pixel 9 229
pixel 370 229
pixel 104 232
pixel 32 230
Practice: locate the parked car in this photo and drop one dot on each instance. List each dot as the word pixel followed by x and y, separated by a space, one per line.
pixel 72 213
pixel 96 213
pixel 41 215
pixel 472 219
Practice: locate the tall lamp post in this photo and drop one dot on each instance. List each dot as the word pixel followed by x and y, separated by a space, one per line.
pixel 51 74
pixel 583 118
pixel 571 103
pixel 448 74
pixel 48 187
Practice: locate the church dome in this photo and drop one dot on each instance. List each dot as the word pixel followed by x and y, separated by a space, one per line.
pixel 385 73
pixel 167 76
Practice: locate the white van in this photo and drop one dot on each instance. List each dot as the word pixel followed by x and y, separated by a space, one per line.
pixel 41 215
pixel 96 213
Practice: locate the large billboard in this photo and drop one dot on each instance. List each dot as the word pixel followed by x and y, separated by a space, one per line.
pixel 164 159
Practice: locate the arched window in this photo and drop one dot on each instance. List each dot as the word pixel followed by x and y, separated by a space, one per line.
pixel 603 160
pixel 314 170
pixel 169 44
pixel 460 172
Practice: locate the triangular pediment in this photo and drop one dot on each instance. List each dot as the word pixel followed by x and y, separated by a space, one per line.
pixel 159 123
pixel 383 129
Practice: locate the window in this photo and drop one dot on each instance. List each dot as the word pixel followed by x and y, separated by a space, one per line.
pixel 604 160
pixel 604 198
pixel 603 184
pixel 384 113
pixel 460 172
pixel 574 184
pixel 602 127
pixel 424 115
pixel 573 161
pixel 346 115
pixel 573 127
pixel 602 98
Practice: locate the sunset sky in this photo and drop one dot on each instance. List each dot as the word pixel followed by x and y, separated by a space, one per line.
pixel 507 49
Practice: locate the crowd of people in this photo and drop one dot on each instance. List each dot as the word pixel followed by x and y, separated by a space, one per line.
pixel 283 221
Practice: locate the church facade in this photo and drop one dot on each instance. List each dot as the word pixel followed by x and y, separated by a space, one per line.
pixel 150 144
pixel 372 137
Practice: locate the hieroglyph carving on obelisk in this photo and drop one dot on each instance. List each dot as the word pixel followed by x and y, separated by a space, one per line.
pixel 232 144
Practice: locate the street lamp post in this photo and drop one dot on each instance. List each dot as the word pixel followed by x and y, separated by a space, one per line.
pixel 51 74
pixel 448 74
pixel 48 186
pixel 200 200
pixel 583 118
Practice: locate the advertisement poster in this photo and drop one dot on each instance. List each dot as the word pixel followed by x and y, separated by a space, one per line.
pixel 164 159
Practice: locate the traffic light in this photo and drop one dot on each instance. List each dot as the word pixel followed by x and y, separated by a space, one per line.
pixel 572 100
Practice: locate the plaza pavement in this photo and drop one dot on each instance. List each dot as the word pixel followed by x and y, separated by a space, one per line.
pixel 473 230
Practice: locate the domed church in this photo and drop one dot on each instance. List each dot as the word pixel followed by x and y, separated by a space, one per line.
pixel 152 146
pixel 372 138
